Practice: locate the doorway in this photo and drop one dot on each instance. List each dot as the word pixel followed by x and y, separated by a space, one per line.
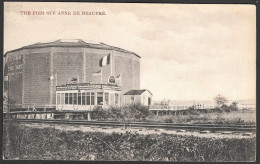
pixel 149 101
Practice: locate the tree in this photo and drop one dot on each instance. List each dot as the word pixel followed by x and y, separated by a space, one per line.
pixel 234 106
pixel 220 100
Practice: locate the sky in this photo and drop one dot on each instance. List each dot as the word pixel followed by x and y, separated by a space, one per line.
pixel 189 51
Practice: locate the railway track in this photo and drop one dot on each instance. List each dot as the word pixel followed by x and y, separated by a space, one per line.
pixel 201 127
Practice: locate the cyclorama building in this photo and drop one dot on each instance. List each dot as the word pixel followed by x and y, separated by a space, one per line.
pixel 86 96
pixel 35 70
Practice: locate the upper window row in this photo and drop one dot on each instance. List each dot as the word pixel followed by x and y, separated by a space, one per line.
pixel 12 68
pixel 15 57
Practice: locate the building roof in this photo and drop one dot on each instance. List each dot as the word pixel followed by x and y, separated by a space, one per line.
pixel 137 92
pixel 73 43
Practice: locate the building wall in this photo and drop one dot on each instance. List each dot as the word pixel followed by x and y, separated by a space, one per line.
pixel 37 77
pixel 67 64
pixel 144 98
pixel 128 66
pixel 92 58
pixel 128 99
pixel 14 70
pixel 15 94
pixel 34 85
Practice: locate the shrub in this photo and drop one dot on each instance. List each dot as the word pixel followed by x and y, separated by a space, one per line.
pixel 99 113
pixel 168 120
pixel 136 111
pixel 225 108
pixel 115 113
pixel 233 106
pixel 217 109
pixel 53 144
pixel 131 112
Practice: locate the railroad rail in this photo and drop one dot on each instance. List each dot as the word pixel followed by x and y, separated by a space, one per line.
pixel 209 127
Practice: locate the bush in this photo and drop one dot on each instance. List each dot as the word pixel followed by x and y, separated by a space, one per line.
pixel 225 108
pixel 193 111
pixel 133 112
pixel 168 120
pixel 233 106
pixel 217 109
pixel 99 113
pixel 115 113
pixel 136 112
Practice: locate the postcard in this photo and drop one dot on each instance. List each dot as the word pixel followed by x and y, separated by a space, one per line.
pixel 129 82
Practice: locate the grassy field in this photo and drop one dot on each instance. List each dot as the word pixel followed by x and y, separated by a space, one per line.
pixel 136 112
pixel 234 117
pixel 53 144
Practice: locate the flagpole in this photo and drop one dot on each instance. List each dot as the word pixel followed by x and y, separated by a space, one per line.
pixel 56 80
pixel 101 72
pixel 111 63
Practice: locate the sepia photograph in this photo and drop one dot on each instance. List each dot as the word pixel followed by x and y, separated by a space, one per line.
pixel 129 82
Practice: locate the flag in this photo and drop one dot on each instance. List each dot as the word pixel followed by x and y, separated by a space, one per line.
pixel 104 61
pixel 74 79
pixel 118 80
pixel 5 78
pixel 96 73
pixel 118 76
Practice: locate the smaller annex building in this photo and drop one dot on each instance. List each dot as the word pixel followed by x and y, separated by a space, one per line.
pixel 85 96
pixel 138 96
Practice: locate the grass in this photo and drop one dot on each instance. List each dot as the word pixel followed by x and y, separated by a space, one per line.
pixel 234 117
pixel 53 144
pixel 137 112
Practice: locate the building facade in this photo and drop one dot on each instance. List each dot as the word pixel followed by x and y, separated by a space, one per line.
pixel 143 97
pixel 34 71
pixel 86 96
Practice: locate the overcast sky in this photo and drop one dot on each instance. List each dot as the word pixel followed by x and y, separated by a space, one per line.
pixel 189 52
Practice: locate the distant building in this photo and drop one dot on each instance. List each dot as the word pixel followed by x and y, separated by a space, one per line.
pixel 138 96
pixel 34 71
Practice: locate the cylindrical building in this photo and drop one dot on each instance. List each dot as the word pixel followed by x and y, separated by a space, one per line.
pixel 34 71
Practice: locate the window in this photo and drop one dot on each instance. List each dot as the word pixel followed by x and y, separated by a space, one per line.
pixel 83 98
pixel 62 98
pixel 66 98
pixel 75 98
pixel 79 98
pixel 92 98
pixel 106 98
pixel 100 98
pixel 88 98
pixel 58 98
pixel 70 98
pixel 112 99
pixel 116 98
